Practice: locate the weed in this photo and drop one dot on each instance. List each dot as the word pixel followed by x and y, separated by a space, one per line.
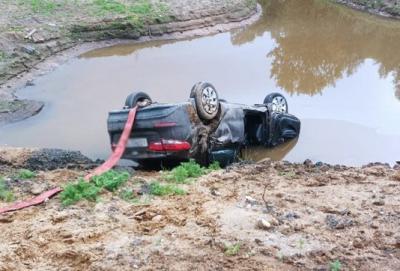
pixel 110 180
pixel 138 11
pixel 188 171
pixel 43 6
pixel 5 193
pixel 157 189
pixel 335 266
pixel 232 250
pixel 287 174
pixel 25 174
pixel 80 190
pixel 214 166
pixel 127 194
pixel 280 256
pixel 301 244
pixel 3 56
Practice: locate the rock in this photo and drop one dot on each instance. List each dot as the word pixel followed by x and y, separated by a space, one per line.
pixel 263 224
pixel 7 218
pixel 375 225
pixel 337 223
pixel 215 192
pixel 379 202
pixel 308 162
pixel 274 221
pixel 251 200
pixel 358 243
pixel 28 49
pixel 157 218
pixel 397 242
pixel 29 83
pixel 38 189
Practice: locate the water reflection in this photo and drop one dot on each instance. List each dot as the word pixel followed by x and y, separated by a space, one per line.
pixel 260 153
pixel 317 46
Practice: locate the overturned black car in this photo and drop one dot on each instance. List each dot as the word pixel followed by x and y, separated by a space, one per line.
pixel 204 128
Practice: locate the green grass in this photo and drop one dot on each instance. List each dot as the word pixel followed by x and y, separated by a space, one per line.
pixel 232 250
pixel 127 194
pixel 139 11
pixel 111 180
pixel 335 266
pixel 76 191
pixel 157 189
pixel 25 174
pixel 5 193
pixel 79 190
pixel 188 171
pixel 3 56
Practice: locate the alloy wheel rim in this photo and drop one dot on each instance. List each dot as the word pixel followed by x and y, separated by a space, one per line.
pixel 279 104
pixel 209 100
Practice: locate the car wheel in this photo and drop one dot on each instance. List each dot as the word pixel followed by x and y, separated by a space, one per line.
pixel 278 102
pixel 137 98
pixel 206 100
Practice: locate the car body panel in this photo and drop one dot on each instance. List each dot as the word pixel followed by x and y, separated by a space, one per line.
pixel 219 140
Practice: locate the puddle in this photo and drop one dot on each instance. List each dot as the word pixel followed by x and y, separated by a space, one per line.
pixel 339 69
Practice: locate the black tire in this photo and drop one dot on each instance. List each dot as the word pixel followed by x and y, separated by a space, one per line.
pixel 137 98
pixel 206 99
pixel 278 102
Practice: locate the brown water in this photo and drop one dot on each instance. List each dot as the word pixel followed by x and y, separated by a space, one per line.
pixel 340 70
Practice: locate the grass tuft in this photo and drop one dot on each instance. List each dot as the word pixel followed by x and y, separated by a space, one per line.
pixel 232 250
pixel 127 195
pixel 110 180
pixel 189 171
pixel 157 189
pixel 5 193
pixel 75 192
pixel 335 266
pixel 25 174
pixel 43 6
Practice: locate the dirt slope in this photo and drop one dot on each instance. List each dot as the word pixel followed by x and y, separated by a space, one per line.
pixel 264 216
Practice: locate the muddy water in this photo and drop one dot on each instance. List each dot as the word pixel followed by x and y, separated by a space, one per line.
pixel 340 71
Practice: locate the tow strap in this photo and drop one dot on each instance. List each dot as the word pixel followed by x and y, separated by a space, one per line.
pixel 107 165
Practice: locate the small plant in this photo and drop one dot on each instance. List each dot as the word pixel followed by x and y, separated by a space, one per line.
pixel 188 171
pixel 25 174
pixel 157 189
pixel 232 250
pixel 80 190
pixel 111 180
pixel 301 244
pixel 5 193
pixel 43 6
pixel 3 56
pixel 127 194
pixel 335 266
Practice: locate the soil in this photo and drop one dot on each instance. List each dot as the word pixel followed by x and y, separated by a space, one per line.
pixel 33 42
pixel 280 216
pixel 386 8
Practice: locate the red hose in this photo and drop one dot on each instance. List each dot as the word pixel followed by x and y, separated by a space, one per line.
pixel 107 165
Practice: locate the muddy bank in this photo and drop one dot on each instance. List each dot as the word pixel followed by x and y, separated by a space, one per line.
pixel 386 8
pixel 31 34
pixel 257 216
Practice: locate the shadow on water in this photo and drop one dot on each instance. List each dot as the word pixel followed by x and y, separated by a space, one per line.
pixel 318 42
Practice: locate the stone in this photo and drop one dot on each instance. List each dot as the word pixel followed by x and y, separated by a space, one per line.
pixel 38 189
pixel 251 200
pixel 157 218
pixel 263 224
